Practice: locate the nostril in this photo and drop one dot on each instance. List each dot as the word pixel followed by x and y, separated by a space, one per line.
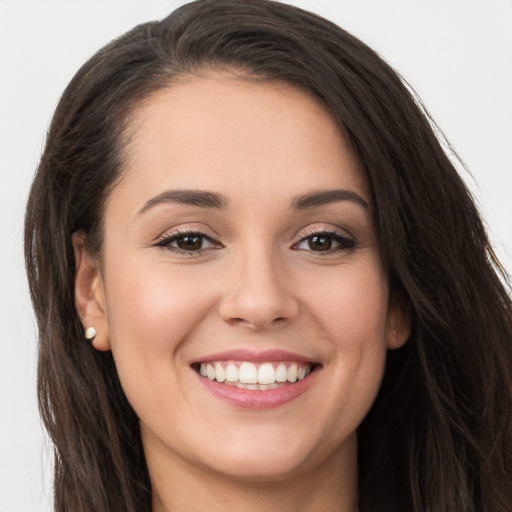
pixel 257 323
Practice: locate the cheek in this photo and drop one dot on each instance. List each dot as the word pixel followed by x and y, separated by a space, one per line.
pixel 352 307
pixel 151 311
pixel 353 313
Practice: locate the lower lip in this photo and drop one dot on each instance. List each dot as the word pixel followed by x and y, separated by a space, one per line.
pixel 257 399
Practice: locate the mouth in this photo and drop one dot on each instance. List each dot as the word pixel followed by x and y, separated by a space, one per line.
pixel 255 376
pixel 256 380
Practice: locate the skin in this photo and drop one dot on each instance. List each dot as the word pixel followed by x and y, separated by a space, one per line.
pixel 257 283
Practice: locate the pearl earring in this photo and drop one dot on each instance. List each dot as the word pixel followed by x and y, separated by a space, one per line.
pixel 90 333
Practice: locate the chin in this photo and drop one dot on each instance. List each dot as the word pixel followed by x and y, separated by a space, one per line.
pixel 271 467
pixel 268 458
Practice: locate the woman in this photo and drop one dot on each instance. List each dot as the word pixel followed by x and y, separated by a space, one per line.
pixel 259 281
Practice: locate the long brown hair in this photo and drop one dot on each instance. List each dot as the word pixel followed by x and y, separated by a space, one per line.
pixel 438 437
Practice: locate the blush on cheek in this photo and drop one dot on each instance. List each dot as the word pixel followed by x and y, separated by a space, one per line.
pixel 359 311
pixel 150 299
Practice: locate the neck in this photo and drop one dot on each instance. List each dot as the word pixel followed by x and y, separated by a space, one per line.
pixel 328 487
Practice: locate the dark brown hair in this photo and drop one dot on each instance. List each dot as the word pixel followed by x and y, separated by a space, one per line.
pixel 438 437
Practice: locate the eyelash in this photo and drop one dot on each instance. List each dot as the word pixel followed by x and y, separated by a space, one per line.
pixel 345 242
pixel 168 239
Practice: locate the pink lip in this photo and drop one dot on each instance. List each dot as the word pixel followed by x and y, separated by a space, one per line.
pixel 253 357
pixel 257 399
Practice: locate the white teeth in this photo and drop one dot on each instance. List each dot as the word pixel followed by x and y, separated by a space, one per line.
pixel 220 373
pixel 231 373
pixel 266 374
pixel 281 373
pixel 292 373
pixel 248 373
pixel 261 387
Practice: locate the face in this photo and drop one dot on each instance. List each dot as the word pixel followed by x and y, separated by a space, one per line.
pixel 240 287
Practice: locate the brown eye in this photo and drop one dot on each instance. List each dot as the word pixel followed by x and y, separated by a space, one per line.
pixel 192 242
pixel 188 243
pixel 320 242
pixel 326 242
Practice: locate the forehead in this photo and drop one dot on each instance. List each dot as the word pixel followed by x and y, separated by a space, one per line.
pixel 217 131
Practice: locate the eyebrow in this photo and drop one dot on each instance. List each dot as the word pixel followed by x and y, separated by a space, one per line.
pixel 205 199
pixel 200 198
pixel 324 197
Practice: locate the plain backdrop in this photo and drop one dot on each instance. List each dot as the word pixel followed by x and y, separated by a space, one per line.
pixel 457 54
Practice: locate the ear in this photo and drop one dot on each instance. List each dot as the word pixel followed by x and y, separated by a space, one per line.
pixel 89 293
pixel 398 323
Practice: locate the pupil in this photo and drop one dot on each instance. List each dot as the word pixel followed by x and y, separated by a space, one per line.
pixel 190 242
pixel 320 243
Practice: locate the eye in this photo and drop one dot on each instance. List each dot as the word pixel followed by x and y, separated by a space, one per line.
pixel 189 242
pixel 326 242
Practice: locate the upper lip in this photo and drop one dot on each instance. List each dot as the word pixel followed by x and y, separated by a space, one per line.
pixel 253 357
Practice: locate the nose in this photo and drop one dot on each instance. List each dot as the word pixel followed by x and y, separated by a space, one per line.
pixel 258 294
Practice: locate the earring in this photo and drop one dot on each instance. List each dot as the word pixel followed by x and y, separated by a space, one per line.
pixel 90 332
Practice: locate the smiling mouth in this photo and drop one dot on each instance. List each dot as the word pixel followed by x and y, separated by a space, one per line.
pixel 254 376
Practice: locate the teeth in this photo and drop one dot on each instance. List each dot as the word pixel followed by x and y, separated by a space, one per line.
pixel 266 374
pixel 281 373
pixel 248 375
pixel 231 373
pixel 220 373
pixel 292 373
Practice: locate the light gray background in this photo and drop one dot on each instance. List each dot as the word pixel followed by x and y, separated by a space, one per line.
pixel 457 54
